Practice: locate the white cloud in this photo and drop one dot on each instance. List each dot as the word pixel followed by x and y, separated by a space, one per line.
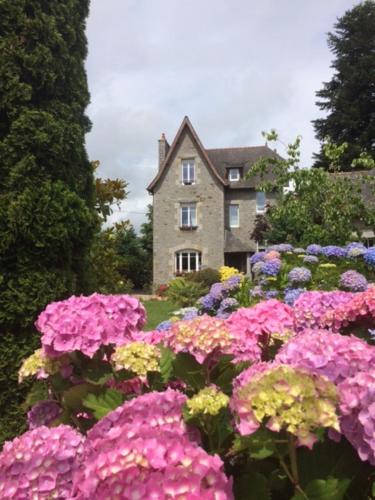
pixel 235 67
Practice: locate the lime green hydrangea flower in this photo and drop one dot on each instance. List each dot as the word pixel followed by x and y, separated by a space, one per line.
pixel 208 401
pixel 283 397
pixel 38 364
pixel 327 265
pixel 137 357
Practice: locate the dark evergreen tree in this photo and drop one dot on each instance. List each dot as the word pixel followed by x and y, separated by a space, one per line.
pixel 46 181
pixel 47 216
pixel 349 97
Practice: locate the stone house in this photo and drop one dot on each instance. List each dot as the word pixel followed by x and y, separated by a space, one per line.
pixel 204 208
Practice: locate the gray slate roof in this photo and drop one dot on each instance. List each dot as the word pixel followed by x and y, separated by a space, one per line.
pixel 243 158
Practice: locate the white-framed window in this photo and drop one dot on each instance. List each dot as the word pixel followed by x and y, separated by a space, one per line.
pixel 188 215
pixel 234 215
pixel 261 202
pixel 188 171
pixel 234 174
pixel 188 261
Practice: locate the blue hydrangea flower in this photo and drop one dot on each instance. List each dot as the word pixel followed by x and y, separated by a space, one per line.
pixel 299 275
pixel 207 302
pixel 292 294
pixel 257 257
pixel 310 259
pixel 355 244
pixel 313 249
pixel 370 256
pixel 282 247
pixel 164 325
pixel 333 251
pixel 232 283
pixel 193 313
pixel 217 291
pixel 257 267
pixel 271 267
pixel 272 294
pixel 228 304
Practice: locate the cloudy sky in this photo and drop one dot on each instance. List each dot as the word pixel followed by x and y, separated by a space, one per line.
pixel 235 67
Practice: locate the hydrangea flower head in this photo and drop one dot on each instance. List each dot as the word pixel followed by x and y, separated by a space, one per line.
pixel 257 292
pixel 299 275
pixel 292 294
pixel 207 302
pixel 164 325
pixel 208 401
pixel 271 267
pixel 43 413
pixel 361 306
pixel 352 253
pixel 333 251
pixel 284 397
pixel 310 259
pixel 271 294
pixel 227 272
pixel 271 255
pixel 353 281
pixel 137 357
pixel 218 292
pixel 258 267
pixel 233 282
pixel 257 257
pixel 199 336
pixel 228 305
pixel 357 408
pixel 313 249
pixel 86 323
pixel 149 466
pixel 317 309
pixel 299 250
pixel 369 257
pixel 38 364
pixel 282 247
pixel 40 463
pixel 322 352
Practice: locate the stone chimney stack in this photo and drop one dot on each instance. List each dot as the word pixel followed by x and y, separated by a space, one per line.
pixel 163 149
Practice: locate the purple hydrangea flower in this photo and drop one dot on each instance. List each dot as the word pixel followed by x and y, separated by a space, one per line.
pixel 227 306
pixel 333 251
pixel 256 292
pixel 193 313
pixel 313 249
pixel 272 294
pixel 217 291
pixel 43 413
pixel 353 281
pixel 292 294
pixel 370 256
pixel 232 283
pixel 310 259
pixel 164 325
pixel 272 267
pixel 258 267
pixel 207 302
pixel 299 275
pixel 282 247
pixel 257 257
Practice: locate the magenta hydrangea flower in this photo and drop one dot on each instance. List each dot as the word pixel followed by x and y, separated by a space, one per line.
pixel 353 281
pixel 259 322
pixel 40 463
pixel 149 465
pixel 86 323
pixel 357 406
pixel 360 307
pixel 322 352
pixel 43 413
pixel 316 309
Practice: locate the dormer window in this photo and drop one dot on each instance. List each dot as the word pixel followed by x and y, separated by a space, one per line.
pixel 234 174
pixel 260 202
pixel 188 171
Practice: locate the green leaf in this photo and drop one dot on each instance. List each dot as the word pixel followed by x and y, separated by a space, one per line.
pixel 73 397
pixel 103 403
pixel 324 489
pixel 259 445
pixel 38 392
pixel 97 372
pixel 189 370
pixel 252 486
pixel 166 362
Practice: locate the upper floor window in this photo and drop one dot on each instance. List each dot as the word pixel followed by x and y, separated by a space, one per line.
pixel 234 174
pixel 234 216
pixel 188 218
pixel 188 261
pixel 261 202
pixel 188 171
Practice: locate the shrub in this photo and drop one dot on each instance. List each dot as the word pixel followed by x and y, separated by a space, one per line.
pixel 206 277
pixel 185 293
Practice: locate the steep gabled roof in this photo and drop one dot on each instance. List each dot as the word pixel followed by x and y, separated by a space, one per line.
pixel 185 125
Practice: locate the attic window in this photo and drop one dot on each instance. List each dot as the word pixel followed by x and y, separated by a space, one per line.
pixel 188 171
pixel 234 174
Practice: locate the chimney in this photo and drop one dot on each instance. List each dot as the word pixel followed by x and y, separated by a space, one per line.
pixel 163 149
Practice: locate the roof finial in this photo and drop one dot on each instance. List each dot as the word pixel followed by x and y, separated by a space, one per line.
pixel 163 136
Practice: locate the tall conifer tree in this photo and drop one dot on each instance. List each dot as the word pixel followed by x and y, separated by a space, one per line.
pixel 349 97
pixel 46 181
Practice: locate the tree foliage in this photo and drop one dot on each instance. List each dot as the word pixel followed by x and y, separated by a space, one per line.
pixel 323 207
pixel 349 98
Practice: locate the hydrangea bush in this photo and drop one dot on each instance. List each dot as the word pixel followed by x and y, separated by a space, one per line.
pixel 257 402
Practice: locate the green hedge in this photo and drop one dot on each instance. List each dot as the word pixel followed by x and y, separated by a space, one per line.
pixel 13 349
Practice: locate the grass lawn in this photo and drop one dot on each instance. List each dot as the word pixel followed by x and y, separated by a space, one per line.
pixel 158 311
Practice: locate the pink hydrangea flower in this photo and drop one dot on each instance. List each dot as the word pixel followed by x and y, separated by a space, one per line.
pixel 361 306
pixel 86 323
pixel 325 353
pixel 257 324
pixel 152 465
pixel 357 406
pixel 272 254
pixel 316 309
pixel 40 463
